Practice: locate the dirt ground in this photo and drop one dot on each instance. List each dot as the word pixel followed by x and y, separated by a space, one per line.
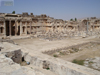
pixel 38 46
pixel 88 51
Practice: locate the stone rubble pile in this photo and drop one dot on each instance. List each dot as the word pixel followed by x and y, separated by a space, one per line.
pixel 63 34
pixel 56 35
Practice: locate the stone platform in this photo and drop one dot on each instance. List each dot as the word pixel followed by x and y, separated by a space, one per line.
pixel 32 51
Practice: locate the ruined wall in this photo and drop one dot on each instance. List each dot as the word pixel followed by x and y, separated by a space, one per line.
pixel 28 24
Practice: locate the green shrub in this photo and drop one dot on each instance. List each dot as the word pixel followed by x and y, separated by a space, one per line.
pixel 55 55
pixel 61 53
pixel 80 62
pixel 48 68
pixel 31 68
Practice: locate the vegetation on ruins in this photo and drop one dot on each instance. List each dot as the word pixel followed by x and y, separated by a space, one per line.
pixel 62 53
pixel 55 55
pixel 75 19
pixel 13 12
pixel 75 49
pixel 80 62
pixel 31 67
pixel 48 68
pixel 71 19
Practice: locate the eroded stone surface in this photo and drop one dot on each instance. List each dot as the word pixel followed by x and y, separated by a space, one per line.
pixel 8 67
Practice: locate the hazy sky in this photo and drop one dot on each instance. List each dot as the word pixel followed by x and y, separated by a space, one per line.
pixel 59 9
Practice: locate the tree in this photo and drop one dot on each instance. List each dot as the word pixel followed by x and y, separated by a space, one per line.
pixel 13 12
pixel 75 19
pixel 71 19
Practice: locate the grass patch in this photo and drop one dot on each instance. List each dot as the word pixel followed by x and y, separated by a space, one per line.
pixel 55 55
pixel 61 53
pixel 48 68
pixel 80 62
pixel 71 51
pixel 90 62
pixel 75 49
pixel 31 67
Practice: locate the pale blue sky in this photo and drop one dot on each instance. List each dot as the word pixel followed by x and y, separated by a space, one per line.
pixel 59 9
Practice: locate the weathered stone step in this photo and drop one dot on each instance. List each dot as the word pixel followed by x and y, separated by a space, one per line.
pixel 44 71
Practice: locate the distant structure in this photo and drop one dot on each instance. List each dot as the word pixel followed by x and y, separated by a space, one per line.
pixel 25 24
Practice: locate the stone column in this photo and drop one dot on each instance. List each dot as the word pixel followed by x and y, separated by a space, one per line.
pixel 87 28
pixel 78 28
pixel 20 28
pixel 26 28
pixel 41 26
pixel 93 27
pixel 9 27
pixel 99 27
pixel 15 27
pixel 61 27
pixel 0 30
pixel 4 28
pixel 30 26
pixel 52 28
pixel 66 27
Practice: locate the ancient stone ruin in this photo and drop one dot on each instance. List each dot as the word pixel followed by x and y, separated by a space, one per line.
pixel 46 27
pixel 41 45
